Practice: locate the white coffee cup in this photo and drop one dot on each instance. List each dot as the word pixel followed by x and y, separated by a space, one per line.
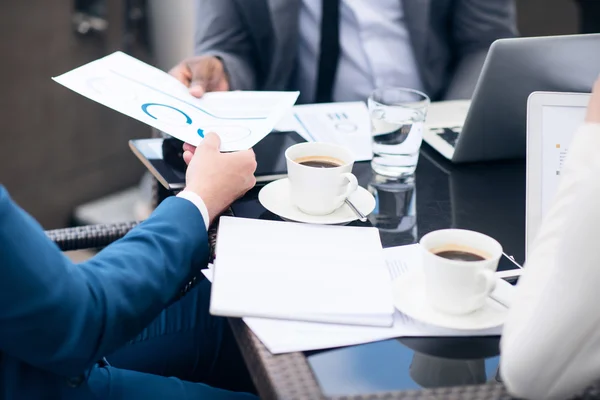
pixel 457 286
pixel 320 191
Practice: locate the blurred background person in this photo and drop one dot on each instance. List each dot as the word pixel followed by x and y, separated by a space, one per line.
pixel 341 50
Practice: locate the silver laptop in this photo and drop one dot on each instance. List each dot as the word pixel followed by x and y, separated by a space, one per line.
pixel 492 125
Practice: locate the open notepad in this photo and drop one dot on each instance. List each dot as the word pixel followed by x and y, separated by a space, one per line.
pixel 301 272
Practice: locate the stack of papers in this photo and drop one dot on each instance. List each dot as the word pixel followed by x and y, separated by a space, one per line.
pixel 280 336
pixel 301 272
pixel 151 96
pixel 346 124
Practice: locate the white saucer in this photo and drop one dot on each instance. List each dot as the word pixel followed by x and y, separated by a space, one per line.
pixel 410 299
pixel 276 198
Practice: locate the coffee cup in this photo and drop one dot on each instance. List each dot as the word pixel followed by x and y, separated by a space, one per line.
pixel 459 268
pixel 320 176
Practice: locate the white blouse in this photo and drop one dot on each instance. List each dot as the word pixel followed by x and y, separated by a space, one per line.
pixel 550 347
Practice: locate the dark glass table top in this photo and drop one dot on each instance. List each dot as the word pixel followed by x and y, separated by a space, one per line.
pixel 485 197
pixel 405 364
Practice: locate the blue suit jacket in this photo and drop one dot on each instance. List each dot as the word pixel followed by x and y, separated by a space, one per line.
pixel 57 319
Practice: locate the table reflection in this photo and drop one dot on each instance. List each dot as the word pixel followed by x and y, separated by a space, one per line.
pixel 395 212
pixel 432 372
pixel 443 362
pixel 405 364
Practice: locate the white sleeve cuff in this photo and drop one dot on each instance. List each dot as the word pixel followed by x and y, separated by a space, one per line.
pixel 198 202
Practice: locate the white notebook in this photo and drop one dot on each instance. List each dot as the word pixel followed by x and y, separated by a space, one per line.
pixel 301 272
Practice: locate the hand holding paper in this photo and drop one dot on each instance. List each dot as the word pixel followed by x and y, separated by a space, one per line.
pixel 202 74
pixel 219 178
pixel 151 96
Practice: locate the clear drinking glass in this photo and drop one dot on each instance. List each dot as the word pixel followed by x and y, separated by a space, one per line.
pixel 397 117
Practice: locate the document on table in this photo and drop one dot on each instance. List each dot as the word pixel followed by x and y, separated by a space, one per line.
pixel 289 336
pixel 155 98
pixel 346 124
pixel 282 270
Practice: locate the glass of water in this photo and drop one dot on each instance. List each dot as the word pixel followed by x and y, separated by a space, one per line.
pixel 397 117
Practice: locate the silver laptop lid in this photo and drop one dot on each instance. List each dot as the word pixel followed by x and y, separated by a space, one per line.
pixel 514 68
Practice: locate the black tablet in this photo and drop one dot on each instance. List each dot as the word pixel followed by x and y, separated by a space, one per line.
pixel 163 158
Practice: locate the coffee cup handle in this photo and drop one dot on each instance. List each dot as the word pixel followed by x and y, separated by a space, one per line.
pixel 488 280
pixel 351 188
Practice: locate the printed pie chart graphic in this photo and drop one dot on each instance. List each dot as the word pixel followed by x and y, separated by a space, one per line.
pixel 167 114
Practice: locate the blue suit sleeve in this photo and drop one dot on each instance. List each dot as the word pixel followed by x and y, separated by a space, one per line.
pixel 64 317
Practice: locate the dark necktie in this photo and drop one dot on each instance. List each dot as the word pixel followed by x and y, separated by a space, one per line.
pixel 329 50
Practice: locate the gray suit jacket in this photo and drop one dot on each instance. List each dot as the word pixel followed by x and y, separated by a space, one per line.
pixel 257 40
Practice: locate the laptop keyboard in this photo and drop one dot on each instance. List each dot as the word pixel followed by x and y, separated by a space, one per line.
pixel 450 135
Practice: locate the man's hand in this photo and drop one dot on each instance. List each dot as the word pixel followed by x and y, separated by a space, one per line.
pixel 218 178
pixel 593 111
pixel 202 74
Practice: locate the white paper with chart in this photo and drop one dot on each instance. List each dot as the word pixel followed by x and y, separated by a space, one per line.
pixel 289 336
pixel 155 98
pixel 346 124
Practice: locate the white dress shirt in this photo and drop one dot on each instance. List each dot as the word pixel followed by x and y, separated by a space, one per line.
pixel 375 49
pixel 198 202
pixel 551 341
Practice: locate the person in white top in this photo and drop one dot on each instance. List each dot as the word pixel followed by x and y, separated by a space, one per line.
pixel 550 347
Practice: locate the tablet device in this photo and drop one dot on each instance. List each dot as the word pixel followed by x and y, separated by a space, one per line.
pixel 552 120
pixel 163 158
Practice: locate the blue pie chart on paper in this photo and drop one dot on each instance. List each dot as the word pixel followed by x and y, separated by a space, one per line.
pixel 148 107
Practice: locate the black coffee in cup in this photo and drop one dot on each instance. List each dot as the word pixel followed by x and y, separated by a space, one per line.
pixel 319 162
pixel 459 253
